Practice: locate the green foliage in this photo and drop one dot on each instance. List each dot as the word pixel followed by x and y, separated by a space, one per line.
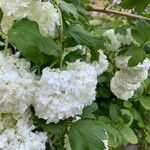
pixel 69 8
pixel 86 135
pixel 145 101
pixel 1 15
pixel 25 36
pixel 141 32
pixel 122 30
pixel 52 128
pixel 129 135
pixel 89 110
pixel 137 56
pixel 73 56
pixel 138 5
pixel 83 37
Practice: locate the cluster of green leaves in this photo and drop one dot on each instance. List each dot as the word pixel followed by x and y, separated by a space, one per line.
pixel 140 49
pixel 138 5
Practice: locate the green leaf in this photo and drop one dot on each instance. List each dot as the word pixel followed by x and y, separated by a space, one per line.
pixel 25 36
pixel 114 136
pixel 89 110
pixel 122 30
pixel 83 37
pixel 145 101
pixel 148 138
pixel 114 112
pixel 52 128
pixel 137 56
pixel 137 4
pixel 129 135
pixel 103 92
pixel 127 4
pixel 127 117
pixel 141 32
pixel 1 15
pixel 127 104
pixel 73 56
pixel 68 8
pixel 87 135
pixel 147 48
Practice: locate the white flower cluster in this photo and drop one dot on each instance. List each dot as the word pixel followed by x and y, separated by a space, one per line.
pixel 47 16
pixel 116 40
pixel 16 84
pixel 16 134
pixel 62 94
pixel 128 80
pixel 102 64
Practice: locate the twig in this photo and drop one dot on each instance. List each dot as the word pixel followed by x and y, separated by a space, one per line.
pixel 106 11
pixel 50 143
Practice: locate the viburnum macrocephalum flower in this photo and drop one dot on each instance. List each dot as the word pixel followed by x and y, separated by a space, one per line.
pixel 128 79
pixel 16 84
pixel 63 94
pixel 16 134
pixel 47 17
pixel 116 40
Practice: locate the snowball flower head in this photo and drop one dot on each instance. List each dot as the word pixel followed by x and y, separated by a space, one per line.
pixel 16 84
pixel 16 134
pixel 128 80
pixel 102 64
pixel 47 17
pixel 116 40
pixel 63 94
pixel 13 10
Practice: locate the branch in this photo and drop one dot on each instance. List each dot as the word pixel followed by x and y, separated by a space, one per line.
pixel 50 142
pixel 107 11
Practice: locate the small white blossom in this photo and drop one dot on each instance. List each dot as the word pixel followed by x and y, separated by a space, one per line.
pixel 66 142
pixel 114 45
pixel 16 134
pixel 122 61
pixel 16 84
pixel 128 80
pixel 63 94
pixel 102 64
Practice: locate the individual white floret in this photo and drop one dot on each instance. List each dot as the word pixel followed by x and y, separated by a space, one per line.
pixel 128 79
pixel 16 84
pixel 63 94
pixel 102 64
pixel 17 134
